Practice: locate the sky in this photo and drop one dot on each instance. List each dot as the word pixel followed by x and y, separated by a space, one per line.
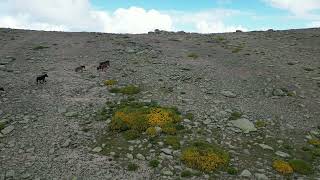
pixel 142 16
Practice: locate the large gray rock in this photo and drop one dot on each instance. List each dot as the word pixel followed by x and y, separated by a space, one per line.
pixel 246 173
pixel 228 94
pixel 259 176
pixel 264 146
pixel 97 149
pixel 7 130
pixel 244 124
pixel 282 154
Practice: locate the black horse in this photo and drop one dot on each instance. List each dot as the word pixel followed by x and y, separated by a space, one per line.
pixel 80 69
pixel 42 78
pixel 1 89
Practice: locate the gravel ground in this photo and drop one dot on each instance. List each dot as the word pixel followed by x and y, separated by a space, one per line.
pixel 271 76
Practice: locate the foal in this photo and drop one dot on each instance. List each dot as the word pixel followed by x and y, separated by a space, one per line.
pixel 42 78
pixel 80 69
pixel 103 65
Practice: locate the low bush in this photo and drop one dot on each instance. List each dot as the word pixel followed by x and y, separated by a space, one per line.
pixel 282 167
pixel 301 166
pixel 204 157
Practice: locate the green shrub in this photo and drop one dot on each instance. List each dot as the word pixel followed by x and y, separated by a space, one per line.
pixel 131 134
pixel 316 152
pixel 232 171
pixel 301 166
pixel 132 167
pixel 130 90
pixel 172 141
pixel 2 125
pixel 237 49
pixel 114 90
pixel 189 116
pixel 261 123
pixel 193 55
pixel 235 115
pixel 186 173
pixel 40 47
pixel 154 163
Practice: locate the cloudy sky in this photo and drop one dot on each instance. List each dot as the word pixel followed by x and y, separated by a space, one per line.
pixel 141 16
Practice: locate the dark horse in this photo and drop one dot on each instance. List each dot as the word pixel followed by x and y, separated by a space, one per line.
pixel 1 89
pixel 103 65
pixel 42 78
pixel 80 69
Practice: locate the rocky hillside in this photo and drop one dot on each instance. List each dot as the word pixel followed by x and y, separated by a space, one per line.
pixel 170 106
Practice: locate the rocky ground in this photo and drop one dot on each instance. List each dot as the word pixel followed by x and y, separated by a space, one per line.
pixel 256 94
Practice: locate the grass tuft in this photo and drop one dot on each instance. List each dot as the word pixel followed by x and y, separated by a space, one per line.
pixel 193 55
pixel 132 167
pixel 154 163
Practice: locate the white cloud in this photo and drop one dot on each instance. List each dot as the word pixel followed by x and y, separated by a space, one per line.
pixel 137 20
pixel 210 21
pixel 217 27
pixel 297 7
pixel 314 24
pixel 79 15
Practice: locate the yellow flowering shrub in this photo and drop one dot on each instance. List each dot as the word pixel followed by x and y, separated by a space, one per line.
pixel 144 119
pixel 282 167
pixel 204 157
pixel 110 82
pixel 161 117
pixel 315 142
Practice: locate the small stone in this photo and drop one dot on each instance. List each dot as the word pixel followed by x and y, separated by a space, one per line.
pixel 140 157
pixel 158 130
pixel 97 149
pixel 167 151
pixel 207 121
pixel 129 156
pixel 264 146
pixel 228 94
pixel 7 130
pixel 66 143
pixel 167 172
pixel 259 176
pixel 26 176
pixel 245 173
pixel 71 114
pixel 51 151
pixel 282 154
pixel 112 153
pixel 10 174
pixel 30 150
pixel 186 121
pixel 278 92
